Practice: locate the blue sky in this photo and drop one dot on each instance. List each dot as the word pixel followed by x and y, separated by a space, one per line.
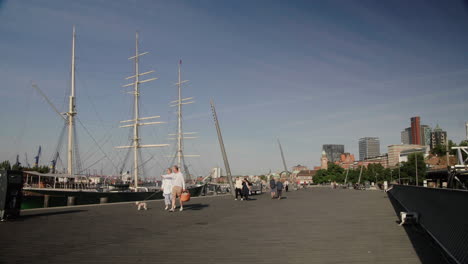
pixel 308 72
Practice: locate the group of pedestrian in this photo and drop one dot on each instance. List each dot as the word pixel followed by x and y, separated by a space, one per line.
pixel 277 186
pixel 173 184
pixel 243 188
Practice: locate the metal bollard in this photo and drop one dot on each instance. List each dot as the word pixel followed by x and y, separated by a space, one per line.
pixel 103 200
pixel 71 200
pixel 46 200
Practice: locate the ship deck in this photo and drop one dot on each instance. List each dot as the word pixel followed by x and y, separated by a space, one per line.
pixel 315 225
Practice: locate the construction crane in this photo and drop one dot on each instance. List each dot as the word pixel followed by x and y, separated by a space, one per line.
pixel 18 163
pixel 26 160
pixel 36 159
pixel 53 162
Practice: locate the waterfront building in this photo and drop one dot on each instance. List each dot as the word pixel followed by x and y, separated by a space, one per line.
pixel 333 151
pixel 394 153
pixel 406 136
pixel 305 176
pixel 347 161
pixel 369 147
pixel 299 168
pixel 438 137
pixel 381 159
pixel 405 153
pixel 416 130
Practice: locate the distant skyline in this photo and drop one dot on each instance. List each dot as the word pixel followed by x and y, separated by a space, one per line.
pixel 309 73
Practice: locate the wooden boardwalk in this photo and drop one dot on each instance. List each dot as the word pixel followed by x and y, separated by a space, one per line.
pixel 316 225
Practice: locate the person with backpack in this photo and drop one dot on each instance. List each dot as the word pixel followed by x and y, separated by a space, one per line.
pixel 272 187
pixel 279 188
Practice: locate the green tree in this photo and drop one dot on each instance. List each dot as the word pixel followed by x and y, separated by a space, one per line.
pixel 5 165
pixel 408 168
pixel 438 150
pixel 321 176
pixel 335 172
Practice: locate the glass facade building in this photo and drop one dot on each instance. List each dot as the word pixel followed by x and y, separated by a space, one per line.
pixel 333 151
pixel 369 147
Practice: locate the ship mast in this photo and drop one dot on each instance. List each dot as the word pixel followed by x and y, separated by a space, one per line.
pixel 180 134
pixel 136 140
pixel 71 111
pixel 179 119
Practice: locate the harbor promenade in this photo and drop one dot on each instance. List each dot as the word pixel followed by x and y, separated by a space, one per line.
pixel 315 225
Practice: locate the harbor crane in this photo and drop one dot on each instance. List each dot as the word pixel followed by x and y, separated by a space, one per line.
pixel 26 160
pixel 36 159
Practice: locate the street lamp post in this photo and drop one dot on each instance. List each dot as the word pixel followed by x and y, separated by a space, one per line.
pixel 399 174
pixel 416 162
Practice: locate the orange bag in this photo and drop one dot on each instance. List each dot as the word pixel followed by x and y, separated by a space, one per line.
pixel 185 197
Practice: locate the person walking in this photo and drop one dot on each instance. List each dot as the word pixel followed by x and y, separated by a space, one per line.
pixel 238 187
pixel 286 185
pixel 178 186
pixel 245 189
pixel 249 185
pixel 279 188
pixel 272 187
pixel 167 187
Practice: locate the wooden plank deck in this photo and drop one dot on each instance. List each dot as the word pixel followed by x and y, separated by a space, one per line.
pixel 316 225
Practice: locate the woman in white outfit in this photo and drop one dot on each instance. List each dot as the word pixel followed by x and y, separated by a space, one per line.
pixel 167 187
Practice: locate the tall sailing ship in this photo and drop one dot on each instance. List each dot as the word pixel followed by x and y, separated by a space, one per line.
pixel 55 189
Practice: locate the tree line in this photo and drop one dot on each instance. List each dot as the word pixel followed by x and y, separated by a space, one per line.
pixel 5 165
pixel 375 172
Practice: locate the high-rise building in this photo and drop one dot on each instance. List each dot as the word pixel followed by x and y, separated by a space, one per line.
pixel 406 136
pixel 438 137
pixel 333 151
pixel 426 135
pixel 369 147
pixel 416 130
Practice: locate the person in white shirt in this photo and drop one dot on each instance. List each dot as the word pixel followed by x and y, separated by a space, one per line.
pixel 178 186
pixel 167 187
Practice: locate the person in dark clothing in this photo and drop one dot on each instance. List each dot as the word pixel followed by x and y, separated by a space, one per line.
pixel 249 185
pixel 245 189
pixel 238 186
pixel 279 188
pixel 272 188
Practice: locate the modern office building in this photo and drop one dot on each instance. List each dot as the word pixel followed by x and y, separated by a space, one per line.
pixel 416 130
pixel 369 147
pixel 406 136
pixel 438 137
pixel 333 151
pixel 426 135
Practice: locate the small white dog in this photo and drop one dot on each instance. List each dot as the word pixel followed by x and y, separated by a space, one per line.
pixel 141 205
pixel 409 218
